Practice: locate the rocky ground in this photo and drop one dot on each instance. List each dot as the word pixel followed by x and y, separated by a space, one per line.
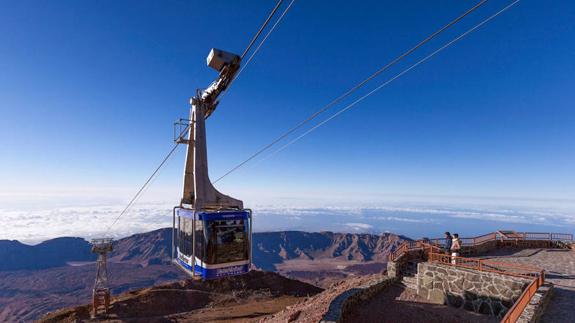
pixel 314 308
pixel 241 298
pixel 25 295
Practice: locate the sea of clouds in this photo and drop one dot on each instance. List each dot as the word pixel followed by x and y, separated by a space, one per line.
pixel 33 225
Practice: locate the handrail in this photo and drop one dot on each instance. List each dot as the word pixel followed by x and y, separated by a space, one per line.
pixel 413 245
pixel 486 265
pixel 519 306
pixel 479 240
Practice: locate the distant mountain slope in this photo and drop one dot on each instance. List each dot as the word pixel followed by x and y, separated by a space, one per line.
pixel 154 247
pixel 50 253
pixel 272 248
pixel 147 248
pixel 142 260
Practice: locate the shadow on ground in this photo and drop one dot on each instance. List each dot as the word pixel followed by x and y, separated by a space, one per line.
pixel 399 304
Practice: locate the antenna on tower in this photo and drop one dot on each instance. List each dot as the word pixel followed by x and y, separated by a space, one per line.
pixel 101 292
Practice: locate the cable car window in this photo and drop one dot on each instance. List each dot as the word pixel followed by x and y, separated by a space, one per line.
pixel 186 237
pixel 178 234
pixel 227 241
pixel 199 247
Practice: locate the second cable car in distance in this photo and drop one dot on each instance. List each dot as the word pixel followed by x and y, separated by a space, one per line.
pixel 212 232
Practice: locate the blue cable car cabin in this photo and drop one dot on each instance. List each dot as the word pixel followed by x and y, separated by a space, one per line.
pixel 213 244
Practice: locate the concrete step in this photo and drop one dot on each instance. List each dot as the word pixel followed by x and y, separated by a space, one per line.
pixel 409 282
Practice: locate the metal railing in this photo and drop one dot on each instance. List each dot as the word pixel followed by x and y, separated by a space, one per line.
pixel 475 241
pixel 519 306
pixel 488 265
pixel 548 236
pixel 407 246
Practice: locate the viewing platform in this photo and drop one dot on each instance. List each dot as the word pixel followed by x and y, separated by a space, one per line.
pixel 507 275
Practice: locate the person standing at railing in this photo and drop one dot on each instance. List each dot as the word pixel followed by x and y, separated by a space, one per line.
pixel 448 239
pixel 455 247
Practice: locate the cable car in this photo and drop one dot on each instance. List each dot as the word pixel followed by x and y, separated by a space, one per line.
pixel 211 232
pixel 214 244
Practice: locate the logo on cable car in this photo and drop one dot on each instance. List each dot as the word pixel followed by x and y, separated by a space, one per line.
pixel 234 270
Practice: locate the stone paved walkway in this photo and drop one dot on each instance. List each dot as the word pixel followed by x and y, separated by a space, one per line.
pixel 559 265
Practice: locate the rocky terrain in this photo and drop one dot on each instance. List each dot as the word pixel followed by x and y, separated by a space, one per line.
pixel 314 308
pixel 60 272
pixel 248 296
pixel 322 258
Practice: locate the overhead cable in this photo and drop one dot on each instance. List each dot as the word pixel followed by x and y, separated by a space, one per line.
pixel 395 77
pixel 265 38
pixel 139 192
pixel 256 50
pixel 351 90
pixel 261 28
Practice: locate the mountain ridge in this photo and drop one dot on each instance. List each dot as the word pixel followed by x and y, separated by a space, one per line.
pixel 47 254
pixel 154 247
pixel 142 260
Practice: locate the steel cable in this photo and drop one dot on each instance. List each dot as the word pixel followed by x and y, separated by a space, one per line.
pixel 261 28
pixel 350 91
pixel 138 194
pixel 265 38
pixel 394 78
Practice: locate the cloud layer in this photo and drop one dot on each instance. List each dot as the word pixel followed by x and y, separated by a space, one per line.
pixel 35 225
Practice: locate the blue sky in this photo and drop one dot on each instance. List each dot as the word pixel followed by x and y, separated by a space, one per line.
pixel 88 92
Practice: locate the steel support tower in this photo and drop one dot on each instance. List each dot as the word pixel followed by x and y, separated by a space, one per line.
pixel 101 292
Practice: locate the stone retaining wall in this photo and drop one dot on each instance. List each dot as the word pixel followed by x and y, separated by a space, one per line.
pixel 393 269
pixel 344 303
pixel 482 292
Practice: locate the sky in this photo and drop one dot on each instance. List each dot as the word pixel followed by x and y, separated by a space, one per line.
pixel 479 136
